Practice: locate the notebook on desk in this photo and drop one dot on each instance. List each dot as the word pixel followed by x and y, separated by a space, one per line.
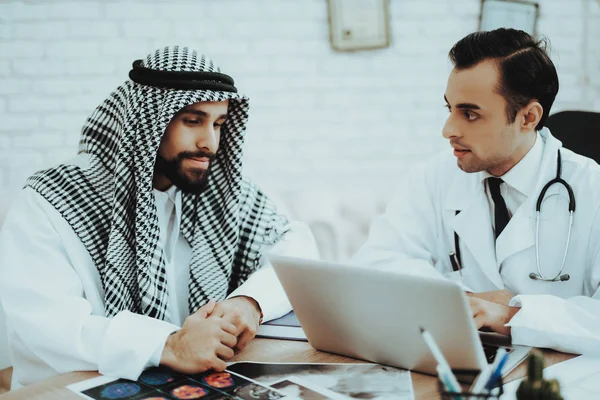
pixel 287 327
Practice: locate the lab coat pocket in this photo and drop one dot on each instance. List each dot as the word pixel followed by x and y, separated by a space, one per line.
pixel 445 268
pixel 458 277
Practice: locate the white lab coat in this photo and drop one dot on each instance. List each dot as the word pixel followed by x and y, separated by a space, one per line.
pixel 54 301
pixel 421 220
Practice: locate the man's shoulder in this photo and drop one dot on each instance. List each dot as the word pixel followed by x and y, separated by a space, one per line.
pixel 583 174
pixel 580 167
pixel 26 203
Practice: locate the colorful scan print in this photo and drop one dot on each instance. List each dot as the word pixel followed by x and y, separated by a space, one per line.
pixel 158 377
pixel 163 383
pixel 219 380
pixel 120 389
pixel 237 386
pixel 189 391
pixel 153 398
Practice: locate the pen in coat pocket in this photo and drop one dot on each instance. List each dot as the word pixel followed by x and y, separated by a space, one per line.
pixel 454 262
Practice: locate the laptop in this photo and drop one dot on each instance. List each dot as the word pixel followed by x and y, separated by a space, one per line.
pixel 376 315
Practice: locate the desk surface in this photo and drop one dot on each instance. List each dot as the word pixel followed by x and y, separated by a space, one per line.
pixel 425 386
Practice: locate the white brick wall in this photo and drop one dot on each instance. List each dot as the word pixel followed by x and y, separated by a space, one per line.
pixel 319 119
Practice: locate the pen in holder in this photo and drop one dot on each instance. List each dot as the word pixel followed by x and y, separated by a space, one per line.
pixel 469 376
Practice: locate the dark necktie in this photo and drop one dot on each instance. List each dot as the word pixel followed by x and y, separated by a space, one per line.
pixel 500 210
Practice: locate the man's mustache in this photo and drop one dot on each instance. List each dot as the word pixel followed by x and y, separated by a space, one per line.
pixel 196 154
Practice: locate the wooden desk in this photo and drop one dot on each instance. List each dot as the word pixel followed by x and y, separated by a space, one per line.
pixel 425 386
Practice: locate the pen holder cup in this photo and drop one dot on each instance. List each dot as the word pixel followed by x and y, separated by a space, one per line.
pixel 469 376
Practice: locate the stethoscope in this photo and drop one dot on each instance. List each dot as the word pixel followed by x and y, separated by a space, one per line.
pixel 455 259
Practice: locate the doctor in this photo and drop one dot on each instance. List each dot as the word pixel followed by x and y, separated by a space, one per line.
pixel 471 212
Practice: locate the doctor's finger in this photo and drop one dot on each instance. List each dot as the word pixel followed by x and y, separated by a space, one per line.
pixel 479 321
pixel 475 304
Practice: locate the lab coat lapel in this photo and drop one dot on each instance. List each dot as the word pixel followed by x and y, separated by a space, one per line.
pixel 519 234
pixel 473 224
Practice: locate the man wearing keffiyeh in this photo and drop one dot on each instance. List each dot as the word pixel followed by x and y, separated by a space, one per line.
pixel 150 246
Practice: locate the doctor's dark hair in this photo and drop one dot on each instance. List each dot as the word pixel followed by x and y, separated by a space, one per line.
pixel 526 71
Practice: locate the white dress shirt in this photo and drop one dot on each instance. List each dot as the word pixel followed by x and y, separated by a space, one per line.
pixel 54 300
pixel 519 182
pixel 177 252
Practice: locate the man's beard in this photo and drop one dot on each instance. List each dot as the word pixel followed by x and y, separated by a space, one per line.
pixel 194 181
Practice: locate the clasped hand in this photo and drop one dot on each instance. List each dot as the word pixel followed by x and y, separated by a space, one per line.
pixel 212 335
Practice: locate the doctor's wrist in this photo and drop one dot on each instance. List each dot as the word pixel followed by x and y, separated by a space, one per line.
pixel 510 313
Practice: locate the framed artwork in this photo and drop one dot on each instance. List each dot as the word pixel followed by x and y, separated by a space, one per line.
pixel 517 14
pixel 358 24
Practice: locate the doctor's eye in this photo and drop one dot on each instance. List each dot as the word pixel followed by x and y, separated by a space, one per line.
pixel 470 116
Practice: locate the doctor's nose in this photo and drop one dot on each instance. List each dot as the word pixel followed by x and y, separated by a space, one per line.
pixel 449 130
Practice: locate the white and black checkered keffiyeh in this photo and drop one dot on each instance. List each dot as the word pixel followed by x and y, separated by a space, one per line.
pixel 111 206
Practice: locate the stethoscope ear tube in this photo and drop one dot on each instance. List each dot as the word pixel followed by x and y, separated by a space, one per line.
pixel 557 179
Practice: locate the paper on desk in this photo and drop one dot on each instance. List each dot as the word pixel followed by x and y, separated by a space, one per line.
pixel 578 378
pixel 335 381
pixel 298 388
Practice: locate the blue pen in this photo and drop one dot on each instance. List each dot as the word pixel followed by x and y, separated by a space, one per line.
pixel 497 373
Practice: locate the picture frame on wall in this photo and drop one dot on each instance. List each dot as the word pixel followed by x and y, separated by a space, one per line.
pixel 517 14
pixel 358 24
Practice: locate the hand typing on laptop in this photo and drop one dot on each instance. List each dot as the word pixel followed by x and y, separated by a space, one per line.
pixel 494 316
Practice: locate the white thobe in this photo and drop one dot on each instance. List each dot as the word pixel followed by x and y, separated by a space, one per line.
pixel 54 301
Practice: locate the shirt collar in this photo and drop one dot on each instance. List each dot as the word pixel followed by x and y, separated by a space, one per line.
pixel 173 193
pixel 524 176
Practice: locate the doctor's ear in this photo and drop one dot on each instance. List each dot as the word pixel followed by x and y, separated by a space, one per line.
pixel 531 115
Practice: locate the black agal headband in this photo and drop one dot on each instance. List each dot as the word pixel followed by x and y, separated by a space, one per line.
pixel 181 79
